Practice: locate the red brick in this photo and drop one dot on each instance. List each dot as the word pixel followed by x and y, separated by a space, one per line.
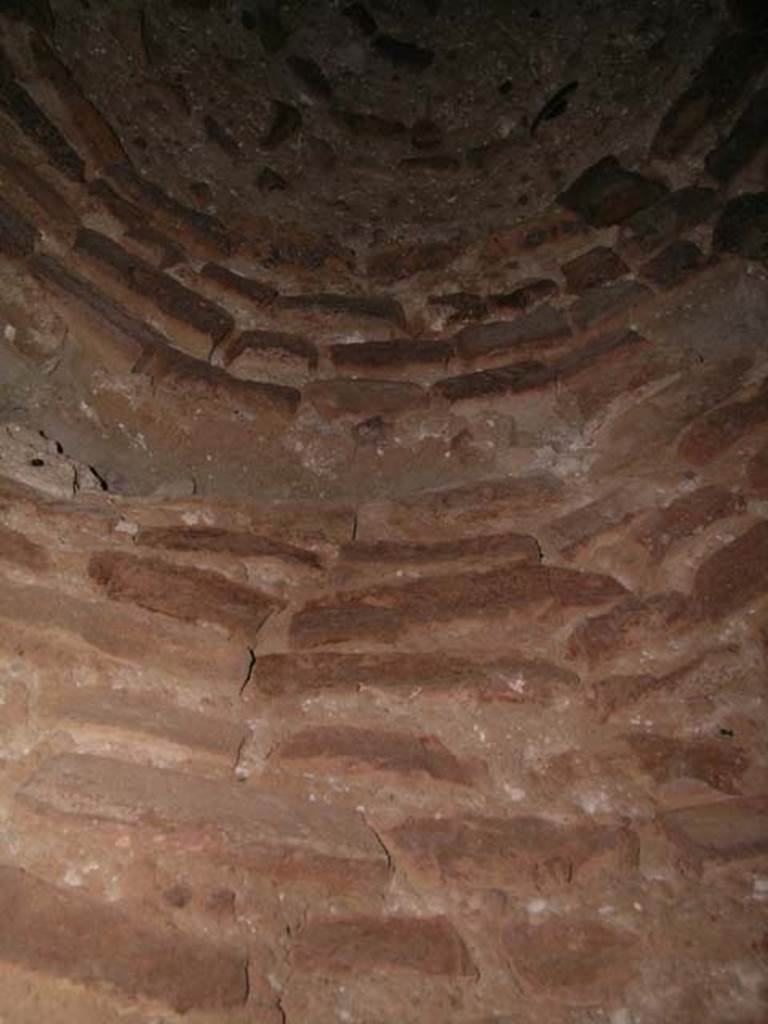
pixel 735 575
pixel 398 354
pixel 576 529
pixel 384 612
pixel 352 397
pixel 559 229
pixel 150 244
pixel 615 693
pixel 575 961
pixel 722 831
pixel 356 307
pixel 17 236
pixel 718 762
pixel 719 430
pixel 397 262
pixel 670 217
pixel 72 936
pixel 510 678
pixel 540 330
pixel 513 379
pixel 48 203
pixel 757 473
pixel 192 595
pixel 510 546
pixel 19 106
pixel 380 749
pixel 521 853
pixel 598 266
pixel 226 542
pixel 233 283
pixel 627 625
pixel 606 193
pixel 428 945
pixel 19 550
pixel 688 515
pixel 607 302
pixel 673 265
pixel 262 826
pixel 255 355
pixel 173 298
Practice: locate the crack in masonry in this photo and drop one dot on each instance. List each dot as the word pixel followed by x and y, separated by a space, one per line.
pixel 354 526
pixel 239 753
pixel 247 970
pixel 382 844
pixel 248 671
pixel 281 1011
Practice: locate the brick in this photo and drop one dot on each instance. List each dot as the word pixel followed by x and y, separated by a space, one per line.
pixel 509 546
pixel 117 334
pixel 659 225
pixel 617 692
pixel 253 355
pixel 226 542
pixel 202 230
pixel 383 750
pixel 733 576
pixel 19 106
pixel 722 80
pixel 502 380
pixel 606 302
pixel 544 328
pixel 352 397
pixel 177 651
pixel 743 142
pixel 521 853
pixel 757 473
pixel 466 306
pixel 673 265
pixel 486 505
pixel 397 262
pixel 742 227
pixel 726 830
pixel 610 367
pixel 573 960
pixel 192 595
pixel 17 236
pixel 391 356
pixel 718 762
pixel 510 678
pixel 17 549
pixel 722 428
pixel 358 307
pixel 263 826
pixel 191 380
pixel 688 515
pixel 606 193
pixel 173 298
pixel 382 613
pixel 598 266
pixel 129 214
pixel 72 936
pixel 576 529
pixel 558 230
pixel 47 201
pixel 427 945
pixel 87 121
pixel 524 297
pixel 120 713
pixel 244 287
pixel 626 626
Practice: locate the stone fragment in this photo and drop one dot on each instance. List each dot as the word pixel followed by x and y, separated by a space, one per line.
pixel 192 595
pixel 606 193
pixel 510 678
pixel 311 75
pixel 719 763
pixel 522 853
pixel 546 327
pixel 400 52
pixel 744 140
pixel 743 227
pixel 286 121
pixel 72 936
pixel 168 294
pixel 686 516
pixel 673 265
pixel 427 945
pixel 230 282
pixel 628 624
pixel 220 541
pixel 263 826
pixel 17 236
pixel 725 75
pixel 605 302
pixel 577 961
pixel 733 576
pixel 383 750
pixel 19 106
pixel 596 267
pixel 384 612
pixel 660 224
pixel 394 355
pixel 400 261
pixel 726 830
